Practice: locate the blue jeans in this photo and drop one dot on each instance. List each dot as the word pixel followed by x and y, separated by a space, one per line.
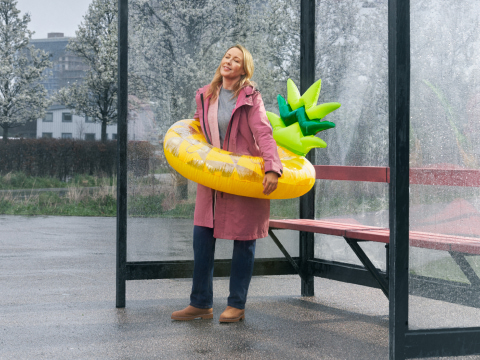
pixel 240 275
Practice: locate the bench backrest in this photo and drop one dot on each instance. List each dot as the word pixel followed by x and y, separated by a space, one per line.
pixel 420 176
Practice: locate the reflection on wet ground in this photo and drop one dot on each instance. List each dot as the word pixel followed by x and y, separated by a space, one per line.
pixel 57 276
pixel 159 239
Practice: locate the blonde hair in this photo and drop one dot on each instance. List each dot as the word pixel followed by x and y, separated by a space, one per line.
pixel 244 81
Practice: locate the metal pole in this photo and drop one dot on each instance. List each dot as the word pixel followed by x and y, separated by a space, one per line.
pixel 399 125
pixel 307 78
pixel 122 152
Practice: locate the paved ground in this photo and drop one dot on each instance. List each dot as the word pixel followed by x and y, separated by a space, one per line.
pixel 57 301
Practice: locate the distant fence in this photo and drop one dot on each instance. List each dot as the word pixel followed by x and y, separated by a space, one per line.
pixel 62 158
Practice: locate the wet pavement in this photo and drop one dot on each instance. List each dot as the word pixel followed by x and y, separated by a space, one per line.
pixel 57 301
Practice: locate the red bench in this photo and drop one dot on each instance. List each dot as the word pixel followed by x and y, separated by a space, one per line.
pixel 457 246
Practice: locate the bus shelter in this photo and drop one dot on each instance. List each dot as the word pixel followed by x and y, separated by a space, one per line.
pixel 407 76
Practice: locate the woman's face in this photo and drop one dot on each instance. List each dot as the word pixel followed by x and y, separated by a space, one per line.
pixel 232 65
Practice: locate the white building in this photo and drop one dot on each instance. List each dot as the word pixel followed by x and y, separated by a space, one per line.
pixel 60 123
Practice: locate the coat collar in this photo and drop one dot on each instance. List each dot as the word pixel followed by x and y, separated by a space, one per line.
pixel 244 97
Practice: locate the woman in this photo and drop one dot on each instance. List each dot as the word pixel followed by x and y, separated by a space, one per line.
pixel 232 116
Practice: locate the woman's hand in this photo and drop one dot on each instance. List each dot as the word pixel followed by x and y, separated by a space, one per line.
pixel 270 182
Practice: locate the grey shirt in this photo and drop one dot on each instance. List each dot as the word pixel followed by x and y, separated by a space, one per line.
pixel 225 108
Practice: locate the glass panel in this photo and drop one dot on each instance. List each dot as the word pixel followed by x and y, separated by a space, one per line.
pixel 351 53
pixel 281 209
pixel 444 144
pixel 174 49
pixel 41 174
pixel 358 203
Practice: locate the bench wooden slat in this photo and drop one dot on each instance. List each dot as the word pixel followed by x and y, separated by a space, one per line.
pixel 316 226
pixel 376 235
pixel 430 243
pixel 466 245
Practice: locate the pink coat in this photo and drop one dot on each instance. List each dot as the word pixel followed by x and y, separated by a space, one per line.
pixel 237 217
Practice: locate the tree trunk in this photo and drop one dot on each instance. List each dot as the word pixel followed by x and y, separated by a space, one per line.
pixel 104 130
pixel 181 188
pixel 5 133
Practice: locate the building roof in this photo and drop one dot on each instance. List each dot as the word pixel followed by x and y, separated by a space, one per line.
pixel 56 107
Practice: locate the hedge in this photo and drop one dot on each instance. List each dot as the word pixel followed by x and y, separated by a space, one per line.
pixel 62 158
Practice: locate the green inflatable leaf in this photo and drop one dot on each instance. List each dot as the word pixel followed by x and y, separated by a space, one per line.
pixel 311 127
pixel 293 95
pixel 288 116
pixel 322 110
pixel 310 142
pixel 289 138
pixel 300 119
pixel 310 97
pixel 275 120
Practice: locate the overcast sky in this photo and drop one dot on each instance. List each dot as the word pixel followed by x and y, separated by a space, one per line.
pixel 54 15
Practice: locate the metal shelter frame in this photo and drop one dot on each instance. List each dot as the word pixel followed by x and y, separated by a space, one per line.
pixel 403 343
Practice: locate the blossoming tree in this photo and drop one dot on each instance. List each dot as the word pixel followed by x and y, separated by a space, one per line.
pixel 97 44
pixel 22 97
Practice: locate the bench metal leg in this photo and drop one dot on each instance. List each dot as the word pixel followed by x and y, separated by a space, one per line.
pixel 286 254
pixel 466 268
pixel 368 265
pixel 307 251
pixel 387 261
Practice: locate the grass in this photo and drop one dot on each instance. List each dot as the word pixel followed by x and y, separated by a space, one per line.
pixel 284 209
pixel 344 205
pixel 20 181
pixel 147 197
pixel 183 210
pixel 146 205
pixel 76 202
pixel 101 202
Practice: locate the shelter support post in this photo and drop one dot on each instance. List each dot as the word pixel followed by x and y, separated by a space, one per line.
pixel 121 271
pixel 399 124
pixel 307 78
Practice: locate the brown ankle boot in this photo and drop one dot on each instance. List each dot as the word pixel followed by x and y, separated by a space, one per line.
pixel 232 314
pixel 191 313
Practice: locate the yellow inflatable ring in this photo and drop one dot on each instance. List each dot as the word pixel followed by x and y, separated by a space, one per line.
pixel 188 152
